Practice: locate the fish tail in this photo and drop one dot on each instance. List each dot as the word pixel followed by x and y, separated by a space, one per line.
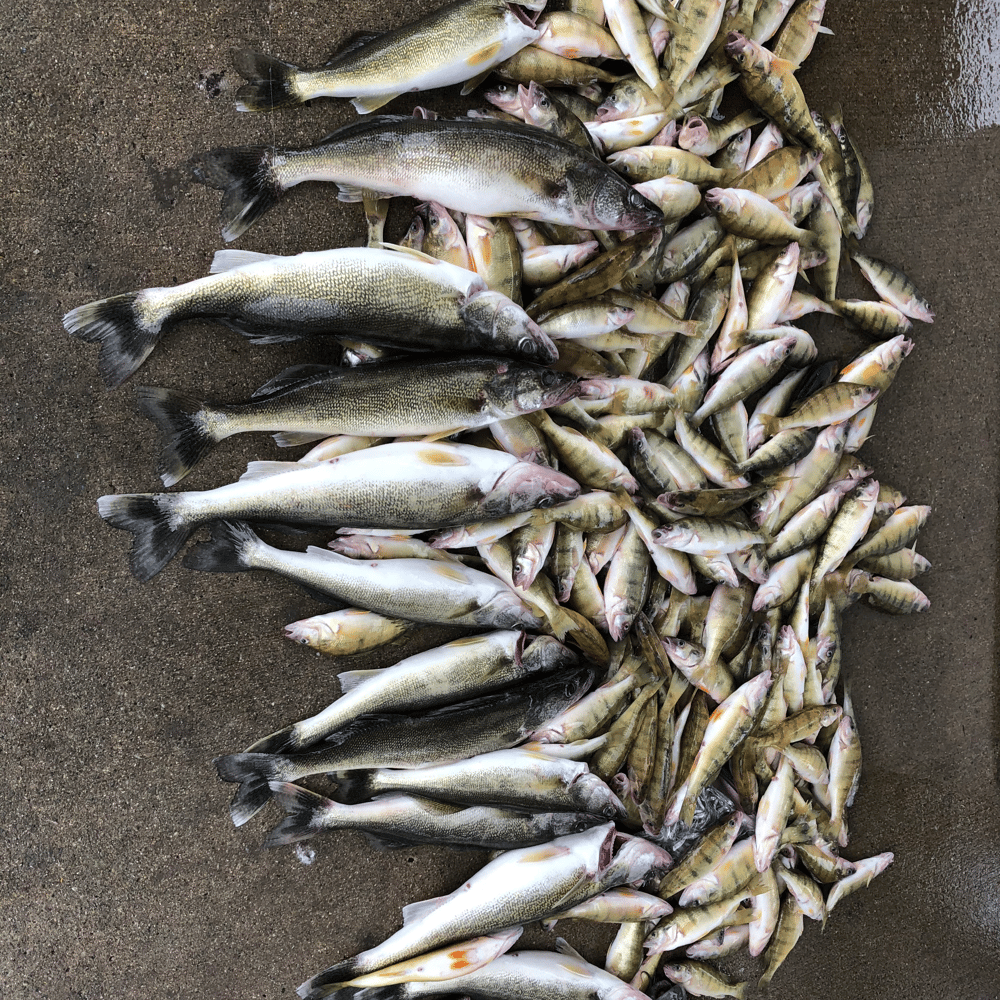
pixel 125 336
pixel 158 535
pixel 226 551
pixel 324 983
pixel 354 786
pixel 252 771
pixel 270 82
pixel 187 437
pixel 303 808
pixel 245 176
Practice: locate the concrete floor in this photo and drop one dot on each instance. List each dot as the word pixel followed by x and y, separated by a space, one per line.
pixel 120 873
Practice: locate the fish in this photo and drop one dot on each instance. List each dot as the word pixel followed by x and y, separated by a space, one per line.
pixel 397 397
pixel 473 165
pixel 398 298
pixel 437 736
pixel 530 777
pixel 461 669
pixel 546 975
pixel 516 888
pixel 405 820
pixel 402 485
pixel 458 42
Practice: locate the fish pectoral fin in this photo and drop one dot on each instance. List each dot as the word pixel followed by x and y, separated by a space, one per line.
pixel 418 254
pixel 350 192
pixel 414 912
pixel 441 435
pixel 366 105
pixel 547 852
pixel 470 85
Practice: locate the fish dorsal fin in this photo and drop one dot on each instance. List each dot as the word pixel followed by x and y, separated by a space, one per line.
pixel 414 912
pixel 265 470
pixel 227 260
pixel 350 679
pixel 292 376
pixel 356 41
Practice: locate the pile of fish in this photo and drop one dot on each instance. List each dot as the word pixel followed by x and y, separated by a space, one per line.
pixel 648 518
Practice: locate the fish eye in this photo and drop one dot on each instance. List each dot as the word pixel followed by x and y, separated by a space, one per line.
pixel 549 377
pixel 636 199
pixel 546 502
pixel 527 346
pixel 625 169
pixel 544 102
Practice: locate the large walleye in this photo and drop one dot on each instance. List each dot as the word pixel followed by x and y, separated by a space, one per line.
pixel 457 42
pixel 400 397
pixel 389 296
pixel 420 590
pixel 482 166
pixel 405 820
pixel 460 669
pixel 409 485
pixel 543 975
pixel 516 888
pixel 438 736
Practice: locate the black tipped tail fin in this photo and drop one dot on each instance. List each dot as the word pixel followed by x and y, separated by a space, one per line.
pixel 249 187
pixel 354 786
pixel 303 820
pixel 252 771
pixel 226 551
pixel 270 82
pixel 148 516
pixel 180 418
pixel 116 324
pixel 325 983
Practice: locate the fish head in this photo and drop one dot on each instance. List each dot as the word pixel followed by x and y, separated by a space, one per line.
pixel 747 55
pixel 693 136
pixel 414 238
pixel 537 105
pixel 503 326
pixel 682 652
pixel 506 610
pixel 624 101
pixel 505 96
pixel 519 387
pixel 636 860
pixel 724 200
pixel 546 653
pixel 527 486
pixel 596 797
pixel 618 206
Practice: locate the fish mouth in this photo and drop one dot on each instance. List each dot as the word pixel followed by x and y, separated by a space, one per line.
pixel 570 389
pixel 519 11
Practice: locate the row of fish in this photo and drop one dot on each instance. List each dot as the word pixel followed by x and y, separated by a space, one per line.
pixel 651 513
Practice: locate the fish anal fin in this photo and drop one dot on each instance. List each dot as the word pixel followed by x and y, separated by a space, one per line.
pixel 366 105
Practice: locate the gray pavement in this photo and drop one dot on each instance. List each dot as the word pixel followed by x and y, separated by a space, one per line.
pixel 121 875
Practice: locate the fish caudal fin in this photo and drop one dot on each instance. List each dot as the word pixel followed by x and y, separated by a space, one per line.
pixel 226 551
pixel 181 420
pixel 354 786
pixel 126 339
pixel 149 516
pixel 303 808
pixel 270 82
pixel 249 187
pixel 252 771
pixel 326 982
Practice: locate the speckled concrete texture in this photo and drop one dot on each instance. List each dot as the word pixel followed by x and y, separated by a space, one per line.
pixel 121 875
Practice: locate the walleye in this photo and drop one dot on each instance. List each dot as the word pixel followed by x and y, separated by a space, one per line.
pixel 458 670
pixel 543 975
pixel 399 397
pixel 459 41
pixel 403 485
pixel 516 888
pixel 420 590
pixel 529 777
pixel 438 736
pixel 391 297
pixel 405 820
pixel 475 165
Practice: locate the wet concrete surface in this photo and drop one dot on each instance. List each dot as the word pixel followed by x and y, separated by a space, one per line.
pixel 120 872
